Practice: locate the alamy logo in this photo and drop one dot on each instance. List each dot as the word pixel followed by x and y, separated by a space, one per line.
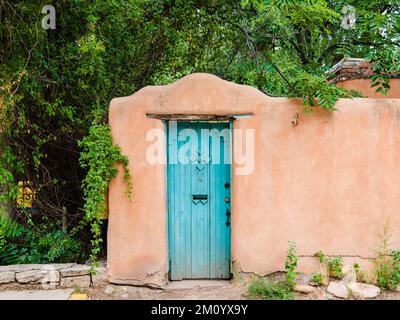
pixel 50 277
pixel 349 18
pixel 49 20
pixel 190 152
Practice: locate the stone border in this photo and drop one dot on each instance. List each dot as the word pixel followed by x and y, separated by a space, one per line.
pixel 51 276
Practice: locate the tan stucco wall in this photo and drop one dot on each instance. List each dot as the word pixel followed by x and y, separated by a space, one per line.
pixel 364 86
pixel 329 183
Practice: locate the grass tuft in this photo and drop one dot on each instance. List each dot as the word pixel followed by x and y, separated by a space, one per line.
pixel 269 290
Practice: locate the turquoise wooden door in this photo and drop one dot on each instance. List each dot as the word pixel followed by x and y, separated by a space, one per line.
pixel 199 208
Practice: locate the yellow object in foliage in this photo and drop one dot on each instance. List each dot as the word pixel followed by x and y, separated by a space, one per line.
pixel 26 195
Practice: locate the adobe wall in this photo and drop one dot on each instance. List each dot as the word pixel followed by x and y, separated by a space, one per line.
pixel 355 74
pixel 329 182
pixel 364 86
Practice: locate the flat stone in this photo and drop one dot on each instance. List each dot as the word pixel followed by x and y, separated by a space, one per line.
pixel 57 266
pixel 32 276
pixel 75 282
pixel 18 268
pixel 51 277
pixel 7 277
pixel 304 288
pixel 38 276
pixel 59 294
pixel 330 296
pixel 109 290
pixel 338 290
pixel 303 279
pixel 78 270
pixel 100 277
pixel 29 267
pixel 364 290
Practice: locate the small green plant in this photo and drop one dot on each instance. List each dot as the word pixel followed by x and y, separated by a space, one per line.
pixel 395 276
pixel 382 271
pixel 77 290
pixel 359 274
pixel 318 278
pixel 334 265
pixel 269 290
pixel 291 265
pixel 321 256
pixel 387 263
pixel 387 270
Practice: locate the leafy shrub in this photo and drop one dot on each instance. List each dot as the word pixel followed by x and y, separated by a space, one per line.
pixel 335 266
pixel 8 229
pixel 270 290
pixel 387 270
pixel 387 263
pixel 8 253
pixel 42 242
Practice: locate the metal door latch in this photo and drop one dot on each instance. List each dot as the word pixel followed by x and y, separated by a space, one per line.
pixel 228 214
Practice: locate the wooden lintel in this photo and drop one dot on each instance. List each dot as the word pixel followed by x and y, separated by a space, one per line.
pixel 198 117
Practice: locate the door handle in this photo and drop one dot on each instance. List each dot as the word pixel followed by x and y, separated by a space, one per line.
pixel 228 220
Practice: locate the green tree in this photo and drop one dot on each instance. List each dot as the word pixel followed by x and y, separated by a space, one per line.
pixel 54 84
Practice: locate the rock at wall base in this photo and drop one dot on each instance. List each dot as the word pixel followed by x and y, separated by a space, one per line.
pixel 338 289
pixel 364 290
pixel 75 282
pixel 303 279
pixel 355 289
pixel 304 288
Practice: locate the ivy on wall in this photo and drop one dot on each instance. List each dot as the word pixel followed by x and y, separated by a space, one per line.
pixel 99 156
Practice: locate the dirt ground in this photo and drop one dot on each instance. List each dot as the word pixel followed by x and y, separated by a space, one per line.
pixel 222 291
pixel 219 292
pixel 208 290
pixel 228 292
pixel 196 292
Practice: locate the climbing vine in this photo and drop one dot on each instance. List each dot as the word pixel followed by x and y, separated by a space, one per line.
pixel 99 156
